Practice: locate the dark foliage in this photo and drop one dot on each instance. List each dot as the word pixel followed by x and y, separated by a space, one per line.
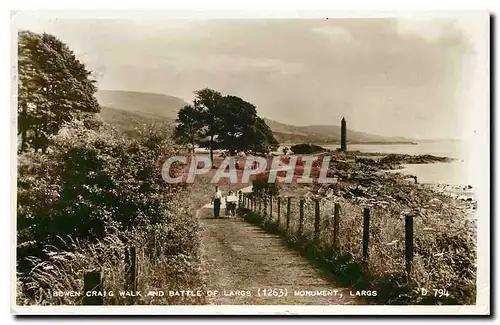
pixel 54 88
pixel 306 149
pixel 223 122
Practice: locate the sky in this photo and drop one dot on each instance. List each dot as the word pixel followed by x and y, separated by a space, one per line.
pixel 414 75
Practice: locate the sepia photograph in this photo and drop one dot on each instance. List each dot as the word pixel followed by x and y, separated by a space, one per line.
pixel 234 163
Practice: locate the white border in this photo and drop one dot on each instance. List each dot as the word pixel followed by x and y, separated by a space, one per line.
pixel 481 308
pixel 336 310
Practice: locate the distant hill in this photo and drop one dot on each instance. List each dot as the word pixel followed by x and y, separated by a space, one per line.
pixel 128 109
pixel 129 120
pixel 142 103
pixel 286 133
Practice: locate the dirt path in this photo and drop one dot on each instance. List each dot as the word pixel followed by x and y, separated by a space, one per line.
pixel 238 256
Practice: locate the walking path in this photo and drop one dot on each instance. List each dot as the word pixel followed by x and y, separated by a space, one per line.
pixel 241 261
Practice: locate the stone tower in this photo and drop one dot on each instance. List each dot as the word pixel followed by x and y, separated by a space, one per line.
pixel 343 135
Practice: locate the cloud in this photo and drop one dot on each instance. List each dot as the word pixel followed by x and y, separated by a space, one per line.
pixel 462 29
pixel 333 33
pixel 426 28
pixel 383 74
pixel 214 63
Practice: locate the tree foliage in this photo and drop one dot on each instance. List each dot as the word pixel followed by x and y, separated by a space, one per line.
pixel 189 126
pixel 229 122
pixel 208 101
pixel 54 87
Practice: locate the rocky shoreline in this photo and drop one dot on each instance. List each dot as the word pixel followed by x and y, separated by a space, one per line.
pixel 363 179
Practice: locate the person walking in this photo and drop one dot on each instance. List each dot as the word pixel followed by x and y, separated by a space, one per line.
pixel 230 204
pixel 217 201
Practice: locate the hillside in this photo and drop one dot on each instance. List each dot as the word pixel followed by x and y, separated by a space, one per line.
pixel 158 105
pixel 325 133
pixel 129 120
pixel 128 109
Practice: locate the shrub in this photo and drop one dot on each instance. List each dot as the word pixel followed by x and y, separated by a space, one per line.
pixel 262 188
pixel 92 194
pixel 306 149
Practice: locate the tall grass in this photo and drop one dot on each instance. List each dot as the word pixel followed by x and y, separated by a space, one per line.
pixel 444 246
pixel 158 270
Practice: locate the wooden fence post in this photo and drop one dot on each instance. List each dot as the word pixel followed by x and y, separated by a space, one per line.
pixel 240 199
pixel 131 268
pixel 288 203
pixel 93 281
pixel 301 216
pixel 271 207
pixel 265 206
pixel 409 242
pixel 316 221
pixel 336 223
pixel 279 211
pixel 260 204
pixel 366 230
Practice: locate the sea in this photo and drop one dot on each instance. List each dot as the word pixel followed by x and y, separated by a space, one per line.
pixel 457 172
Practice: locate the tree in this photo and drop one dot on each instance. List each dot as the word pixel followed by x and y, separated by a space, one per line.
pixel 229 123
pixel 262 137
pixel 243 130
pixel 232 123
pixel 239 118
pixel 208 103
pixel 54 88
pixel 189 126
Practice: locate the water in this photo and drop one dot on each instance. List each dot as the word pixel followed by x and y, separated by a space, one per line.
pixel 457 172
pixel 448 148
pixel 452 173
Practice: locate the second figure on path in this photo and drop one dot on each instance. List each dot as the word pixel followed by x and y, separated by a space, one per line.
pixel 231 200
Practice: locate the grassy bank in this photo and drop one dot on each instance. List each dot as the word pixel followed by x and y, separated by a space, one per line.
pixel 444 234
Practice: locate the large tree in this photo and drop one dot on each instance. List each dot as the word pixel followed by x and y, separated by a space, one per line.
pixel 228 122
pixel 208 102
pixel 54 88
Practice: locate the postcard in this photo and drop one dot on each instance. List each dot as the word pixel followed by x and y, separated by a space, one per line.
pixel 240 164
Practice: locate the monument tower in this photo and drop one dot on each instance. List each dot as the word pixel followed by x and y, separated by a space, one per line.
pixel 343 135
